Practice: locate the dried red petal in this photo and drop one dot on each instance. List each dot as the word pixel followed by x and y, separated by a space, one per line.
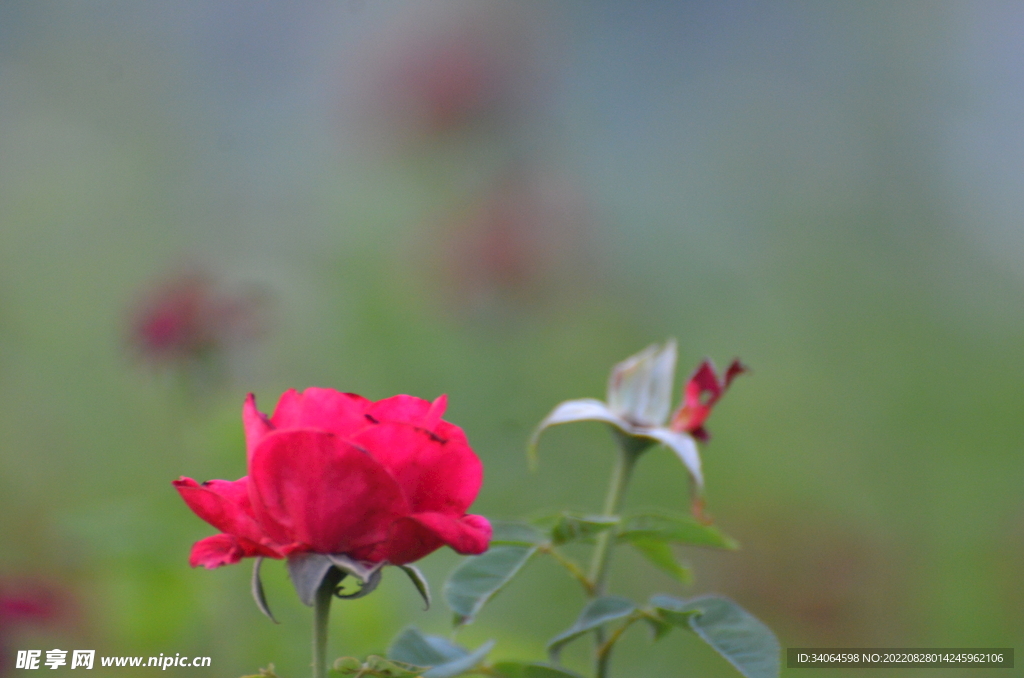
pixel 700 394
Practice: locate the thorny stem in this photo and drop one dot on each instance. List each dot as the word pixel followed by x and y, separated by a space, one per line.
pixel 628 454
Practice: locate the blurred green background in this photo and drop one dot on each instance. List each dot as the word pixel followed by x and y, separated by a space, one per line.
pixel 499 201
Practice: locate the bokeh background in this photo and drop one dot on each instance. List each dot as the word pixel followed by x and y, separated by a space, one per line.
pixel 498 201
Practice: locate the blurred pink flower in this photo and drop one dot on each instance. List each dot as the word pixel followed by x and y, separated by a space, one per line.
pixel 27 603
pixel 515 243
pixel 453 71
pixel 187 319
pixel 450 84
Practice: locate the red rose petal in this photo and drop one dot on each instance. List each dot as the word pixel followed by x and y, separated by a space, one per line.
pixel 225 549
pixel 468 535
pixel 435 474
pixel 320 490
pixel 321 408
pixel 223 504
pixel 407 541
pixel 410 410
pixel 257 425
pixel 421 534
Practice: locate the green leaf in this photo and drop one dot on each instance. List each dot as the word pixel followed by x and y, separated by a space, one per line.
pixel 566 526
pixel 511 533
pixel 679 529
pixel 598 612
pixel 414 647
pixel 346 666
pixel 531 670
pixel 445 658
pixel 419 581
pixel 734 633
pixel 257 590
pixel 479 578
pixel 459 666
pixel 659 627
pixel 375 666
pixel 660 554
pixel 673 611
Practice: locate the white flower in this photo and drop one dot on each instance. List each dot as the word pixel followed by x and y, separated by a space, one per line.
pixel 638 403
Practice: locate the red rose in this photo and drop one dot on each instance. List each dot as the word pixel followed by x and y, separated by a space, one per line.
pixel 335 473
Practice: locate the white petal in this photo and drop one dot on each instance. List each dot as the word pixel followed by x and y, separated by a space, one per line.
pixel 585 409
pixel 684 447
pixel 640 387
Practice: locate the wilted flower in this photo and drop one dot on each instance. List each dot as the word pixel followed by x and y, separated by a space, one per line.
pixel 337 474
pixel 639 399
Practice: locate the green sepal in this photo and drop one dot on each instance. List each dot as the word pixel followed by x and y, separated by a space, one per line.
pixel 444 658
pixel 307 571
pixel 367 587
pixel 675 528
pixel 420 582
pixel 660 554
pixel 597 613
pixel 479 578
pixel 360 570
pixel 514 669
pixel 257 590
pixel 742 639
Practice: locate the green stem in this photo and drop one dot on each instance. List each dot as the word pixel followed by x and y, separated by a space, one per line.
pixel 628 454
pixel 321 614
